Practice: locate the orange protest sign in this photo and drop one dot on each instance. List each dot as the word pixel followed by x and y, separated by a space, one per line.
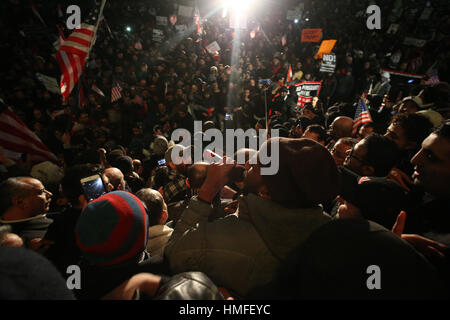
pixel 325 47
pixel 311 35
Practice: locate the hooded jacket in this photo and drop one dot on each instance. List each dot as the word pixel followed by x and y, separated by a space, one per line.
pixel 243 250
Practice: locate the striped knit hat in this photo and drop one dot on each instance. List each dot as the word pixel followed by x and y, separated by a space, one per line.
pixel 112 229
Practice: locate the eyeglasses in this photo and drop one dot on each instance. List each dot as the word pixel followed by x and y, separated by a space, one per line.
pixel 351 155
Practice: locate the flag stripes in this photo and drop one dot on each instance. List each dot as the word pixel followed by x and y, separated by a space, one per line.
pixel 362 116
pixel 16 138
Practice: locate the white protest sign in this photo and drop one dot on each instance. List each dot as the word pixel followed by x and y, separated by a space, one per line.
pixel 158 35
pixel 50 83
pixel 161 21
pixel 213 47
pixel 328 63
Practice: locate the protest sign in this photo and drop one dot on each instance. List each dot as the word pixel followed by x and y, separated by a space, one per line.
pixel 158 35
pixel 50 83
pixel 328 63
pixel 161 21
pixel 325 48
pixel 311 35
pixel 213 47
pixel 306 91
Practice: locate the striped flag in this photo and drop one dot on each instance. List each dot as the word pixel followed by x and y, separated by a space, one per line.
pixel 116 92
pixel 16 139
pixel 74 51
pixel 289 74
pixel 362 116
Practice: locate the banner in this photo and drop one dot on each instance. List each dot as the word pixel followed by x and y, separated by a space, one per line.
pixel 161 21
pixel 158 35
pixel 328 63
pixel 306 91
pixel 185 11
pixel 213 47
pixel 325 47
pixel 51 84
pixel 311 35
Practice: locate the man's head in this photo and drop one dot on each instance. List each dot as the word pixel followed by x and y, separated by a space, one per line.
pixel 116 180
pixel 339 150
pixel 341 127
pixel 432 162
pixel 124 164
pixel 308 111
pixel 156 206
pixel 365 130
pixel 375 155
pixel 24 197
pixel 408 130
pixel 113 229
pixel 315 132
pixel 196 175
pixel 410 104
pixel 307 174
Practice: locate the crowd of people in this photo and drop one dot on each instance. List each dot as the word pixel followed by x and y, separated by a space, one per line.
pixel 341 201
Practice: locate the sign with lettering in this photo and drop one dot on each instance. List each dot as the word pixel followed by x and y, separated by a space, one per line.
pixel 328 63
pixel 311 35
pixel 306 91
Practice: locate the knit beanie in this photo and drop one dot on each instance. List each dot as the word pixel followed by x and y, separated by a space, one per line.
pixel 112 229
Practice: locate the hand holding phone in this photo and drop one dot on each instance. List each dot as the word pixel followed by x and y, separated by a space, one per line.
pixel 93 187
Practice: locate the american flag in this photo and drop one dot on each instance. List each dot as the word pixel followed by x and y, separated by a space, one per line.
pixel 16 138
pixel 362 116
pixel 74 51
pixel 116 92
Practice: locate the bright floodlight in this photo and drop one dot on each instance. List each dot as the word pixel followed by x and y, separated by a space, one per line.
pixel 296 21
pixel 241 5
pixel 128 28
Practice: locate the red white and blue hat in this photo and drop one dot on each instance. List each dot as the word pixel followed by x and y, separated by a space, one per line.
pixel 112 229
